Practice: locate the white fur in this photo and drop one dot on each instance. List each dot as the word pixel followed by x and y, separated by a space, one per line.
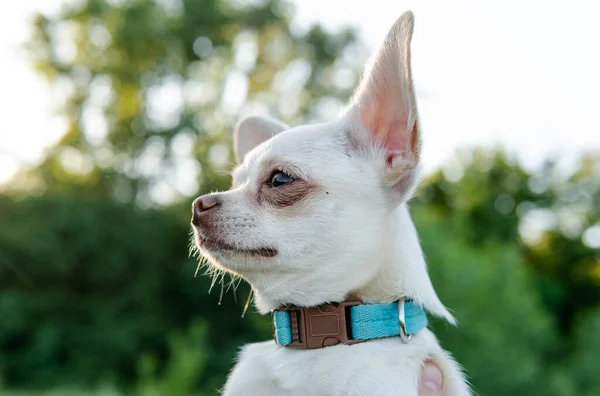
pixel 384 367
pixel 352 237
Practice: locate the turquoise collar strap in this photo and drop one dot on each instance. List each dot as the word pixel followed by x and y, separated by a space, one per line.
pixel 348 322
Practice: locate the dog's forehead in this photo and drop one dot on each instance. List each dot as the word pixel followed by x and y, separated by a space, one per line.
pixel 307 147
pixel 302 142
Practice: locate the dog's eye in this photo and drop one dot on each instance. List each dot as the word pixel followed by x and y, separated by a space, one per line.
pixel 279 179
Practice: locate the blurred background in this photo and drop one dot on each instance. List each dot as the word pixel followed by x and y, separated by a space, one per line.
pixel 117 113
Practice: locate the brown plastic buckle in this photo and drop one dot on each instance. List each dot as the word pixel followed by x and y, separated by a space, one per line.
pixel 322 326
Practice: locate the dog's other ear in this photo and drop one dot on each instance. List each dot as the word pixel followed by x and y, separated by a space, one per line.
pixel 384 111
pixel 252 131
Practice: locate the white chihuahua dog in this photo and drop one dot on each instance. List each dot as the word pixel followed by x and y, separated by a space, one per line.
pixel 317 223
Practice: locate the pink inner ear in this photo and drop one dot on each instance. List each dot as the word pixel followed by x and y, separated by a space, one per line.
pixel 386 119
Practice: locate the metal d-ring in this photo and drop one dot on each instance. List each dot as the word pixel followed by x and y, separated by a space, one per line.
pixel 401 320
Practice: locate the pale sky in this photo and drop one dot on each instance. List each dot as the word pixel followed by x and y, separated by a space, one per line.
pixel 520 74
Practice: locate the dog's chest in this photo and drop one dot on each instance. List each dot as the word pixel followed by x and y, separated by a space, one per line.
pixel 377 367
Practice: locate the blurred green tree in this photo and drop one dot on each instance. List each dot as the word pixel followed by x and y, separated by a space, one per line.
pixel 89 286
pixel 503 330
pixel 537 235
pixel 152 88
pixel 551 214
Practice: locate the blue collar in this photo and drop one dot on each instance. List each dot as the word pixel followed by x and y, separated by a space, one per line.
pixel 348 322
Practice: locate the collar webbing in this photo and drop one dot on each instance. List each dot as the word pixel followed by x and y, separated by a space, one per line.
pixel 348 322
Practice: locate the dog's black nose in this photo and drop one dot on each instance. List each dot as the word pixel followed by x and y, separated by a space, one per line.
pixel 202 205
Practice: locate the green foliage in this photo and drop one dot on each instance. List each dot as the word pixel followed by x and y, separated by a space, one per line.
pixel 182 373
pixel 503 330
pixel 89 285
pixel 585 359
pixel 523 296
pixel 496 200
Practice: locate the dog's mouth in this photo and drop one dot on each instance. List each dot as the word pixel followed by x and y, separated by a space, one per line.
pixel 215 245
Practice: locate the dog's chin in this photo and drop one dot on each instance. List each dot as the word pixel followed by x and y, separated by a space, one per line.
pixel 218 248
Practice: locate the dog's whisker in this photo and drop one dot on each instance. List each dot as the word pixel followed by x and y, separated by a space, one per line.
pixel 222 287
pixel 250 296
pixel 230 283
pixel 192 250
pixel 209 271
pixel 235 286
pixel 240 279
pixel 202 262
pixel 214 275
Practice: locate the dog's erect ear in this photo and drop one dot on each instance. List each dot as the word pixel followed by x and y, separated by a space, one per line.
pixel 384 111
pixel 252 131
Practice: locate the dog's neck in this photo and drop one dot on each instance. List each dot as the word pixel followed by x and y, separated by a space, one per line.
pixel 397 253
pixel 401 272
